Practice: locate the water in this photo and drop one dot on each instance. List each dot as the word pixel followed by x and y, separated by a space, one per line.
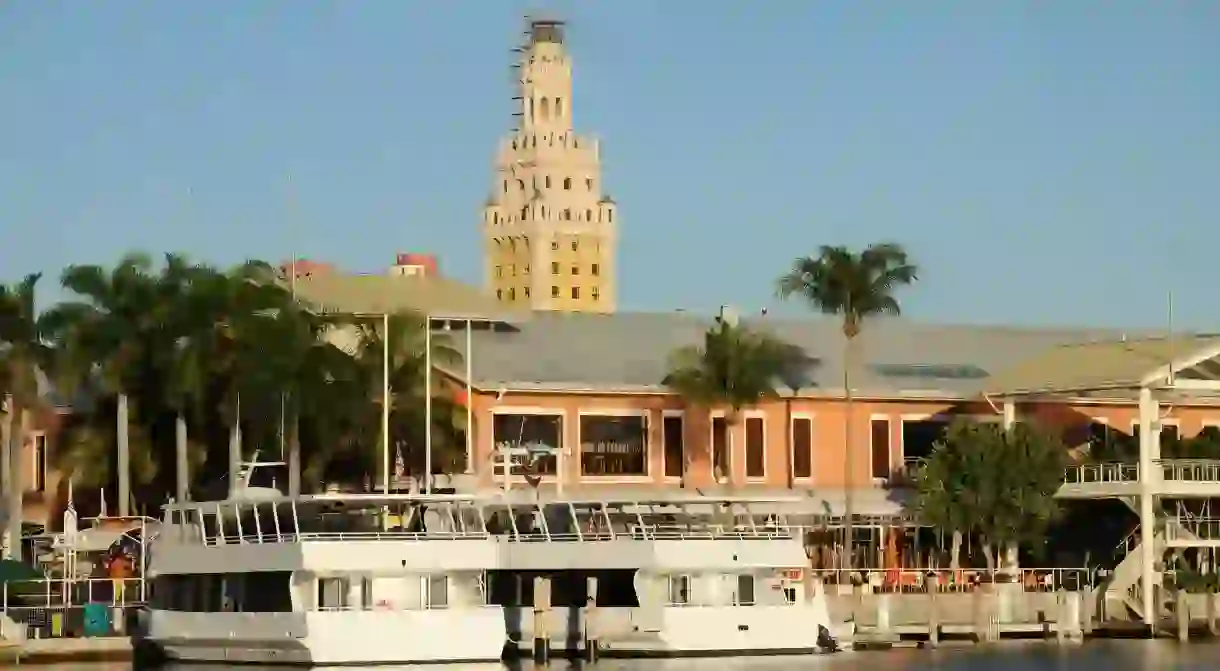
pixel 1032 656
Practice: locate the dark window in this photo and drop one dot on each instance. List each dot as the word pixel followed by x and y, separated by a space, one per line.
pixel 756 448
pixel 880 437
pixel 802 447
pixel 541 435
pixel 720 447
pixel 613 445
pixel 674 453
pixel 40 463
pixel 554 267
pixel 567 183
pixel 575 292
pixel 919 437
pixel 554 292
pixel 596 269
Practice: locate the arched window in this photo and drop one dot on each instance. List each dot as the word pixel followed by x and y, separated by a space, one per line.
pixel 567 215
pixel 548 181
pixel 521 185
pixel 589 183
pixel 525 212
pixel 544 109
pixel 588 215
pixel 567 183
pixel 559 108
pixel 610 216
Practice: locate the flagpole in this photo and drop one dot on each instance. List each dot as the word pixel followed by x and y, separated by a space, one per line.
pixel 428 405
pixel 469 398
pixel 385 402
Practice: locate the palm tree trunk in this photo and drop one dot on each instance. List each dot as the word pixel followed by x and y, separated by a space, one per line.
pixel 10 483
pixel 294 456
pixel 235 450
pixel 182 466
pixel 849 469
pixel 124 457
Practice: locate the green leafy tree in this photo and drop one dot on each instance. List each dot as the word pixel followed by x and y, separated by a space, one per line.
pixel 24 357
pixel 734 368
pixel 855 286
pixel 997 484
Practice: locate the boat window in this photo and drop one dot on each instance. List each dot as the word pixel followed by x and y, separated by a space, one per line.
pixel 267 592
pixel 437 587
pixel 366 593
pixel 745 590
pixel 679 590
pixel 270 476
pixel 332 593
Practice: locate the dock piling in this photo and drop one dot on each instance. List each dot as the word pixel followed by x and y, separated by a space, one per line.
pixel 591 644
pixel 542 605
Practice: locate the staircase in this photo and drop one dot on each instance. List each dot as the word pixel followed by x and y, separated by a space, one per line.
pixel 1125 581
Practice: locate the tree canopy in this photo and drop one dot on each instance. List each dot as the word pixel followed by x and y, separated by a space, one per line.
pixel 217 348
pixel 999 485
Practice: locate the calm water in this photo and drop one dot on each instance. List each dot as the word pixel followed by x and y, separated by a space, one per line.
pixel 1095 656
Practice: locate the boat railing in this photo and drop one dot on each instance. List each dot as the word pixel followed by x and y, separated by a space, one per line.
pixel 341 536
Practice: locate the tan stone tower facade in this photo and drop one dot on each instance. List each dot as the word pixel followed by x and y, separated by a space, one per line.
pixel 549 229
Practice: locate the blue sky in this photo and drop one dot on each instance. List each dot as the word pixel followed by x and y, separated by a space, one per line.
pixel 1045 162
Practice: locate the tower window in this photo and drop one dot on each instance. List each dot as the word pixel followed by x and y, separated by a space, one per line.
pixel 595 293
pixel 506 186
pixel 544 109
pixel 559 107
pixel 512 269
pixel 525 211
pixel 567 183
pixel 499 271
pixel 512 294
pixel 575 244
pixel 555 246
pixel 499 294
pixel 596 269
pixel 521 185
pixel 527 270
pixel 588 215
pixel 527 292
pixel 575 292
pixel 610 216
pixel 575 269
pixel 554 267
pixel 547 181
pixel 589 183
pixel 567 215
pixel 554 292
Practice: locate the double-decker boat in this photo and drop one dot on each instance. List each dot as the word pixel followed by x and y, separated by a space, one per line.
pixel 404 579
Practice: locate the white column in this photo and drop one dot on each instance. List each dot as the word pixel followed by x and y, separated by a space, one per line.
pixel 1148 442
pixel 1010 551
pixel 469 397
pixel 428 407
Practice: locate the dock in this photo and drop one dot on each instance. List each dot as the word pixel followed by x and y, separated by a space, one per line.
pixel 67 650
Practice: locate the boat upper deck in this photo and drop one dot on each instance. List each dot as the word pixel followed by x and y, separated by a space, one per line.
pixel 455 517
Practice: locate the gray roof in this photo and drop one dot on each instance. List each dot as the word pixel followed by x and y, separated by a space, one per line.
pixel 629 352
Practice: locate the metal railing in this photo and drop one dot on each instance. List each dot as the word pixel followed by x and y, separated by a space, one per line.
pixel 1192 529
pixel 916 580
pixel 634 532
pixel 55 607
pixel 1109 472
pixel 1190 470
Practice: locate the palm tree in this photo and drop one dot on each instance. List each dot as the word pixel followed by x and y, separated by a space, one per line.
pixel 734 368
pixel 108 332
pixel 854 286
pixel 24 355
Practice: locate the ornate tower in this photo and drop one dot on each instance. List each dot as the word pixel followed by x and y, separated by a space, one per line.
pixel 549 229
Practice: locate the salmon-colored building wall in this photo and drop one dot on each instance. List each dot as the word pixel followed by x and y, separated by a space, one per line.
pixel 1070 420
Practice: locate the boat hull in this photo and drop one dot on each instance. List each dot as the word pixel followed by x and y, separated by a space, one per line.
pixel 331 638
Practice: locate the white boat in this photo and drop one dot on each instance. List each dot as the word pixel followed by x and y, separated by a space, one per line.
pixel 336 580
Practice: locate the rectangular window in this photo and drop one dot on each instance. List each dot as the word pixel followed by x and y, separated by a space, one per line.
pixel 595 294
pixel 575 245
pixel 880 440
pixel 575 269
pixel 531 439
pixel 745 590
pixel 575 292
pixel 366 593
pixel 679 590
pixel 614 445
pixel 555 246
pixel 437 591
pixel 499 271
pixel 802 447
pixel 720 448
pixel 674 453
pixel 554 292
pixel 596 269
pixel 333 593
pixel 554 267
pixel 527 269
pixel 512 294
pixel 756 448
pixel 527 292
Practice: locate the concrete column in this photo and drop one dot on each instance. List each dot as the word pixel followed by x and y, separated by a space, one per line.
pixel 933 613
pixel 1181 613
pixel 884 604
pixel 1061 617
pixel 589 621
pixel 1148 478
pixel 1213 611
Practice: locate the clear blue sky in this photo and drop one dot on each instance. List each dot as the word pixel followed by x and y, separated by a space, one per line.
pixel 1046 162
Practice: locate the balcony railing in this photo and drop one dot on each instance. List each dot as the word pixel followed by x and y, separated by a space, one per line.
pixel 1113 472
